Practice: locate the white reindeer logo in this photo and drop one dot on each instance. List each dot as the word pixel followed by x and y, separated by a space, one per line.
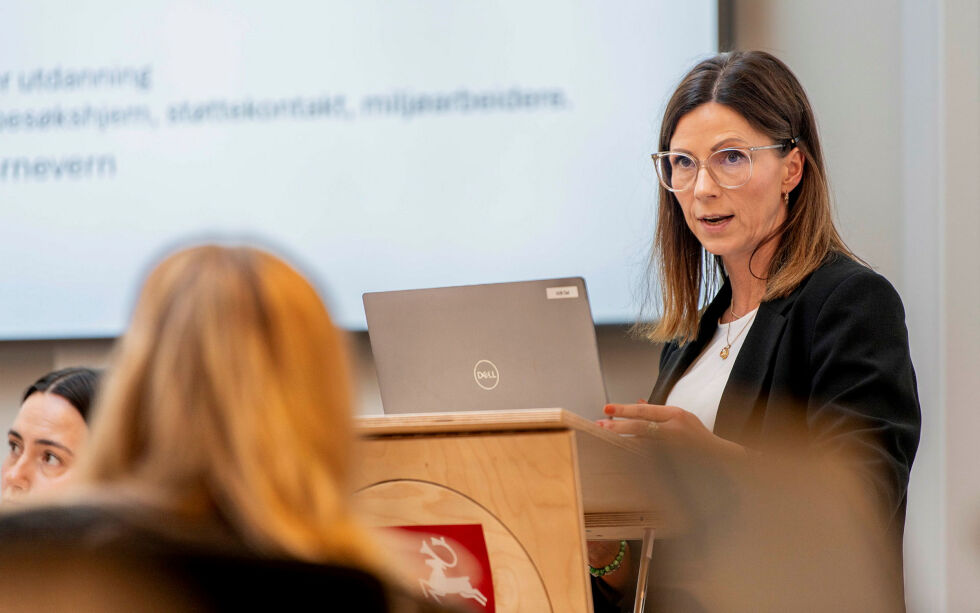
pixel 438 584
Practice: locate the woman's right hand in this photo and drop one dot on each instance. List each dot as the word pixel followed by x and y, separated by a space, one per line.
pixel 670 425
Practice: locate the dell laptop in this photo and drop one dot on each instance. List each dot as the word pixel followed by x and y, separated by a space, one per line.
pixel 529 344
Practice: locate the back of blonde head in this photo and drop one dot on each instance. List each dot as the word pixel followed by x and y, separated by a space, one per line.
pixel 229 396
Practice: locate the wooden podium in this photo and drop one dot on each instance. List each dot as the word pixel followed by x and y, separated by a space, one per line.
pixel 539 482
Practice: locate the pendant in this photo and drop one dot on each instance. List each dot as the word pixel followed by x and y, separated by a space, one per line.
pixel 724 352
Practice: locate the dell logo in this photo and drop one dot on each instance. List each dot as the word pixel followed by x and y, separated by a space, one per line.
pixel 486 374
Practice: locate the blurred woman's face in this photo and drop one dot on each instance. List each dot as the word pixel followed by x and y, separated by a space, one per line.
pixel 731 223
pixel 44 440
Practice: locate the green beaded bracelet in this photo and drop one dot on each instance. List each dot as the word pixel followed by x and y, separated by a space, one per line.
pixel 612 566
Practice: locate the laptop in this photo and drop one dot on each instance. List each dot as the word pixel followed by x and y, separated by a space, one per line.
pixel 529 344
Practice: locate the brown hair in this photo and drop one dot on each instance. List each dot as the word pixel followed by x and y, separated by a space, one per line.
pixel 229 398
pixel 764 91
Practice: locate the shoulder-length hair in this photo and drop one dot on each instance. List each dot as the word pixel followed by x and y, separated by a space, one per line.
pixel 228 398
pixel 764 91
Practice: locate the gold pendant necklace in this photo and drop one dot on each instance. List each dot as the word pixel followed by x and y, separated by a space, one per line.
pixel 724 350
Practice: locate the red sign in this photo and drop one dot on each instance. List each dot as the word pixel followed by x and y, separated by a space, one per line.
pixel 452 565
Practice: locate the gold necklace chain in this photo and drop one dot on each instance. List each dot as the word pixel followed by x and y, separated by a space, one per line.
pixel 724 350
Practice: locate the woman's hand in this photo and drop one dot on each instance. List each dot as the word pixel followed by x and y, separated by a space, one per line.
pixel 673 425
pixel 602 553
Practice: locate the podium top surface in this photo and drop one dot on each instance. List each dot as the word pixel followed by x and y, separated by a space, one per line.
pixel 478 422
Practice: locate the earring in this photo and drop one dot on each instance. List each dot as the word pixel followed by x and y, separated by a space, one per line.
pixel 786 198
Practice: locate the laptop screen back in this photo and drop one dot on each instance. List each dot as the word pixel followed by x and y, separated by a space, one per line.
pixel 528 344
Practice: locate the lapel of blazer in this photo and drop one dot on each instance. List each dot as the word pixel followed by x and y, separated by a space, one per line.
pixel 685 355
pixel 752 367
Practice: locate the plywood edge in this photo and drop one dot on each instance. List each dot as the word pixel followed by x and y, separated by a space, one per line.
pixel 468 421
pixel 586 586
pixel 616 526
pixel 636 520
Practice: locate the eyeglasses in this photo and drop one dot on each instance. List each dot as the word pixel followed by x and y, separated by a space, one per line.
pixel 730 167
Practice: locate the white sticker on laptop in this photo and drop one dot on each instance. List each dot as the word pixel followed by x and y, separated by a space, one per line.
pixel 566 291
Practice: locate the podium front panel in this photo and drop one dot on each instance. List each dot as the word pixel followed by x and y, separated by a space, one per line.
pixel 521 487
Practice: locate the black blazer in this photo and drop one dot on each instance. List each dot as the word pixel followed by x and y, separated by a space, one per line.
pixel 830 360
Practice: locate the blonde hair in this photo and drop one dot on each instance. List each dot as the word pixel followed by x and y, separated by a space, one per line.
pixel 229 396
pixel 764 91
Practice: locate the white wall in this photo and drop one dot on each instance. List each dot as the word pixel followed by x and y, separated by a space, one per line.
pixel 959 206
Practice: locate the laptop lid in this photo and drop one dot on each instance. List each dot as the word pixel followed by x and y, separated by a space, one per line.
pixel 529 344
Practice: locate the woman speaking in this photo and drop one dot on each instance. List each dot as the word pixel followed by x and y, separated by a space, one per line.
pixel 777 336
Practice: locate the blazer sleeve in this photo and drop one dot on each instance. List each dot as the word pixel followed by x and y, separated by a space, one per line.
pixel 863 399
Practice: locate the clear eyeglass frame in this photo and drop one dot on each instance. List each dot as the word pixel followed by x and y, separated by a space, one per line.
pixel 661 157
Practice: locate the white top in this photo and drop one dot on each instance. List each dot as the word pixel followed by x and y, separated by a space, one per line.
pixel 699 390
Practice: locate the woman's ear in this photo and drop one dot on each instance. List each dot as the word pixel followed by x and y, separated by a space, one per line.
pixel 793 165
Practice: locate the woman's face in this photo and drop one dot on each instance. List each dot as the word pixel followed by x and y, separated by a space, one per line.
pixel 45 440
pixel 731 222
